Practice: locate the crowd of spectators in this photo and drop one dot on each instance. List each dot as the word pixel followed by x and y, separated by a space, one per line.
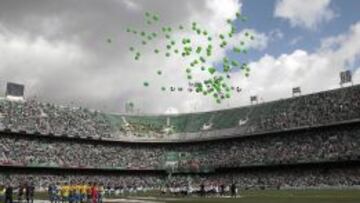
pixel 316 145
pixel 321 108
pixel 32 116
pixel 313 177
pixel 315 109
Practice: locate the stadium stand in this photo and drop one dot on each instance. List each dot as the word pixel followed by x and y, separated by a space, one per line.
pixel 301 142
pixel 309 110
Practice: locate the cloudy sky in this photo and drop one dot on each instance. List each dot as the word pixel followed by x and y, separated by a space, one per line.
pixel 59 50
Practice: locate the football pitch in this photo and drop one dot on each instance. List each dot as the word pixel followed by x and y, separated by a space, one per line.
pixel 313 196
pixel 288 196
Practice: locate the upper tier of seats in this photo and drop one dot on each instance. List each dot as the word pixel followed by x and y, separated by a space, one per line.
pixel 322 108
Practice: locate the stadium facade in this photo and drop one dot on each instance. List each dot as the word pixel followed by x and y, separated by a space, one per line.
pixel 307 141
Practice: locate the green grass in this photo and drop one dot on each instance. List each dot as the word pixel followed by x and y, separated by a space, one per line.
pixel 307 196
pixel 284 196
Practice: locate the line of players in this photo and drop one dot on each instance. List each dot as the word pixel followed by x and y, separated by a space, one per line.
pixel 76 193
pixel 202 190
pixel 25 191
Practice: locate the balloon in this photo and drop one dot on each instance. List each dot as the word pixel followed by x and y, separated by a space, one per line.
pixel 198 50
pixel 217 85
pixel 237 49
pixel 211 70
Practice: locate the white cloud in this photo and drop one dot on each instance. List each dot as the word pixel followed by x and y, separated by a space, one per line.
pixel 130 4
pixel 82 67
pixel 272 78
pixel 295 40
pixel 304 13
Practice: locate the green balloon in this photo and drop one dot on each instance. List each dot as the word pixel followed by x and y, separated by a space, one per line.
pixel 146 84
pixel 155 17
pixel 211 70
pixel 234 63
pixel 237 49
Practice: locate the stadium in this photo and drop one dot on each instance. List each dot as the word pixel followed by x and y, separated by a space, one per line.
pixel 159 101
pixel 300 143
